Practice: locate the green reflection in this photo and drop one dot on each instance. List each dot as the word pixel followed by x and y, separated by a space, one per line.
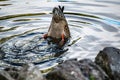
pixel 20 15
pixel 74 41
pixel 13 28
pixel 24 20
pixel 80 22
pixel 3 0
pixel 80 14
pixel 2 40
pixel 5 4
pixel 75 25
pixel 1 27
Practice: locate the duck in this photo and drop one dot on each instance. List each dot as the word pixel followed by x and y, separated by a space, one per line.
pixel 58 28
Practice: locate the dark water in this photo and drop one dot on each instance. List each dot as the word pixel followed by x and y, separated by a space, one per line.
pixel 94 24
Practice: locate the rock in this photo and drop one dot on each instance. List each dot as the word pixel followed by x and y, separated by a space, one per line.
pixel 30 72
pixel 109 60
pixel 5 76
pixel 77 70
pixel 27 72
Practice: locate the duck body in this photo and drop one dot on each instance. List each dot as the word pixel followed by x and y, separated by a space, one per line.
pixel 59 27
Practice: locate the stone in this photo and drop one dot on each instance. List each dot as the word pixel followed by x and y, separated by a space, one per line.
pixel 26 72
pixel 5 76
pixel 109 60
pixel 77 70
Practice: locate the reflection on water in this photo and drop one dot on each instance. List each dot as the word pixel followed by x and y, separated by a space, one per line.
pixel 3 0
pixel 93 26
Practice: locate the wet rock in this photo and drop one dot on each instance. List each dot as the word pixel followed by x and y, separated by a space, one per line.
pixel 27 72
pixel 5 76
pixel 77 70
pixel 109 60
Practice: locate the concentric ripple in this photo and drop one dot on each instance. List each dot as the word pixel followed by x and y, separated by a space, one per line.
pixel 22 28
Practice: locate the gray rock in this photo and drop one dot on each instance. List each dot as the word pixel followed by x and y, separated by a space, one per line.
pixel 27 72
pixel 5 76
pixel 109 60
pixel 77 70
pixel 30 72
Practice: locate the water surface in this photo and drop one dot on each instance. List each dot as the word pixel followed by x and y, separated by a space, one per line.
pixel 94 24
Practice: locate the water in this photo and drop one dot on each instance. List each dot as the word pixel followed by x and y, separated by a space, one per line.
pixel 94 24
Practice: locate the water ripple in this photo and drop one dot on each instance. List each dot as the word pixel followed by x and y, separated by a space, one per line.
pixel 92 25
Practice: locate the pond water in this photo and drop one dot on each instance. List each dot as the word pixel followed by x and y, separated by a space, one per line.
pixel 94 24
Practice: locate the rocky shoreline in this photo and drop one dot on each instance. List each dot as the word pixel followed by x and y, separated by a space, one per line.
pixel 105 67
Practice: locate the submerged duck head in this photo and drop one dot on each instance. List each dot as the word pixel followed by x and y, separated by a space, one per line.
pixel 58 14
pixel 58 29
